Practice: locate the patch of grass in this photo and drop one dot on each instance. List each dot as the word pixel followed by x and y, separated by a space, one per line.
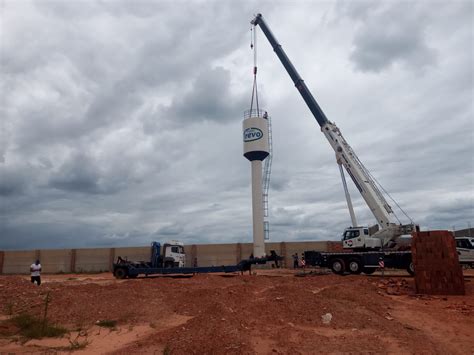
pixel 167 350
pixel 107 323
pixel 33 328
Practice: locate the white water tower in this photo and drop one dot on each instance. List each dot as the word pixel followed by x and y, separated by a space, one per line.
pixel 256 149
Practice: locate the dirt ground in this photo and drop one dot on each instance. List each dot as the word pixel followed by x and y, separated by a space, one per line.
pixel 270 312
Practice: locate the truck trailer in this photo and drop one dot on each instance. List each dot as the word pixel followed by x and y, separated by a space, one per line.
pixel 171 259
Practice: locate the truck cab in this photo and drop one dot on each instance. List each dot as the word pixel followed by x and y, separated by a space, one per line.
pixel 359 237
pixel 173 254
pixel 465 249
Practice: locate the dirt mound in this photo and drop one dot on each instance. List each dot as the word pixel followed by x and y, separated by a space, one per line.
pixel 271 312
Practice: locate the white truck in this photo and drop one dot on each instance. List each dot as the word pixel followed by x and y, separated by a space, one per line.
pixel 465 249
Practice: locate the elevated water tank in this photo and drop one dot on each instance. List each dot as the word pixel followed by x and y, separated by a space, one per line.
pixel 255 131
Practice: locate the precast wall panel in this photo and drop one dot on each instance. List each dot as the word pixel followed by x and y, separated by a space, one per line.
pixel 92 260
pixel 246 250
pixel 134 253
pixel 57 260
pixel 215 254
pixel 191 255
pixel 18 262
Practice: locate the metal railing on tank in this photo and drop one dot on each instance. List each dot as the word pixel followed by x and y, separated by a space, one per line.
pixel 255 113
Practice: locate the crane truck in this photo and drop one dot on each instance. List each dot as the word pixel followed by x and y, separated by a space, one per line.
pixel 367 248
pixel 170 258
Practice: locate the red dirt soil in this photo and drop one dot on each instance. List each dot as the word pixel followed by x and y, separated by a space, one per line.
pixel 272 312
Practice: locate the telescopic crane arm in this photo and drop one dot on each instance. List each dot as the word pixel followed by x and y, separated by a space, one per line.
pixel 299 83
pixel 344 154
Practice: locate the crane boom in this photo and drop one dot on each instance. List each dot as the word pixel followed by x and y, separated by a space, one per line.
pixel 345 155
pixel 299 83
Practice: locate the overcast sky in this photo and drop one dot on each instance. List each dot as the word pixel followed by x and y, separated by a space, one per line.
pixel 121 120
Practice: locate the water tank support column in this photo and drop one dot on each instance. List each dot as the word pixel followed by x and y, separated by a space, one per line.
pixel 257 209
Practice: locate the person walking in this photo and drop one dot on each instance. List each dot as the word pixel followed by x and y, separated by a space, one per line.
pixel 295 260
pixel 35 270
pixel 302 262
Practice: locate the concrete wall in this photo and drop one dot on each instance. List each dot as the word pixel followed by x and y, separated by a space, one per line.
pixel 58 260
pixel 92 260
pixel 101 259
pixel 18 262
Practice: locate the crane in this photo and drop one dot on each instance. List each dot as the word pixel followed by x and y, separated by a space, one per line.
pixel 386 231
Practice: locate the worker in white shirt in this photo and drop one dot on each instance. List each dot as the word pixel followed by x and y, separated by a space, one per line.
pixel 35 270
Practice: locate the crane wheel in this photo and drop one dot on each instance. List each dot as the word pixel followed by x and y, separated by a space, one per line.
pixel 338 266
pixel 120 273
pixel 355 266
pixel 411 268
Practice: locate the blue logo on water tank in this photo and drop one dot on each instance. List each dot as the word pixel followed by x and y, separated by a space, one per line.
pixel 252 134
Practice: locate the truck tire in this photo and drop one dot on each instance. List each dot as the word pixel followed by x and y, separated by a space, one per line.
pixel 411 268
pixel 338 266
pixel 120 273
pixel 369 270
pixel 169 264
pixel 354 266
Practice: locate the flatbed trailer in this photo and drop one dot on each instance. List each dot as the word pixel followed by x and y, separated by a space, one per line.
pixel 356 262
pixel 123 268
pixel 169 259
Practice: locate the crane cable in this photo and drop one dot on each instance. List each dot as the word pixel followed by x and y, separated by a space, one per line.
pixel 253 46
pixel 391 198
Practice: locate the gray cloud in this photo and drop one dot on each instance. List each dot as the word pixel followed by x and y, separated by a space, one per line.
pixel 394 34
pixel 12 181
pixel 210 98
pixel 121 121
pixel 79 174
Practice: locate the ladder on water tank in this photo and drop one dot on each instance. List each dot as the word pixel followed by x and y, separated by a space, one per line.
pixel 267 169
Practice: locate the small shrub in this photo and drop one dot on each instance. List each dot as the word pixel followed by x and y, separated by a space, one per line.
pixel 31 327
pixel 107 323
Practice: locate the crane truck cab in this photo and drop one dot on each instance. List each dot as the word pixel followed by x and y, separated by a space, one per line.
pixel 358 237
pixel 465 249
pixel 374 238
